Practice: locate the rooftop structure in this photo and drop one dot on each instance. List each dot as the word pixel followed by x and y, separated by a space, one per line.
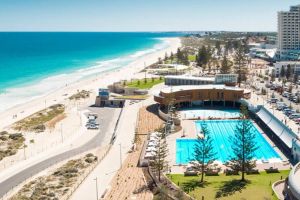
pixel 197 93
pixel 292 185
pixel 289 33
pixel 230 79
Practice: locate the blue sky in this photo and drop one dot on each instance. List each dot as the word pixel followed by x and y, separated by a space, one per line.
pixel 141 15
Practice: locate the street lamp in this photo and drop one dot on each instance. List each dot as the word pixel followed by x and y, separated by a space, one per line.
pixel 96 187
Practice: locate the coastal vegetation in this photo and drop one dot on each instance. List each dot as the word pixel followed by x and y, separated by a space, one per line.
pixel 258 186
pixel 83 94
pixel 37 121
pixel 146 83
pixel 57 184
pixel 10 143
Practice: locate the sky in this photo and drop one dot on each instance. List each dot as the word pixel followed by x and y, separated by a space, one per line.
pixel 141 15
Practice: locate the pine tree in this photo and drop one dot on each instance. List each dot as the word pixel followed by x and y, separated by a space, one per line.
pixel 239 59
pixel 243 145
pixel 225 68
pixel 166 56
pixel 288 73
pixel 159 163
pixel 203 151
pixel 282 72
pixel 218 47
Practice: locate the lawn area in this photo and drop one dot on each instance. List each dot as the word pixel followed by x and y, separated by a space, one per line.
pixel 192 58
pixel 224 187
pixel 142 84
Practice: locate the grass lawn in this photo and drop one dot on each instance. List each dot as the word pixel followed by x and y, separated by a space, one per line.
pixel 133 97
pixel 192 58
pixel 258 187
pixel 141 84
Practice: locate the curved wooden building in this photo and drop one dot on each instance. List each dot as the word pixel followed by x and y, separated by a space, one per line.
pixel 191 94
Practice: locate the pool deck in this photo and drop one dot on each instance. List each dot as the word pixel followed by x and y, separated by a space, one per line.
pixel 189 131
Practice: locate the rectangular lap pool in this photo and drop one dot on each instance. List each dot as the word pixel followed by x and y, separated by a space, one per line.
pixel 206 113
pixel 221 131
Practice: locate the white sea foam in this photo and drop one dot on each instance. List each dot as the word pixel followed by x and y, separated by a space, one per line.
pixel 18 95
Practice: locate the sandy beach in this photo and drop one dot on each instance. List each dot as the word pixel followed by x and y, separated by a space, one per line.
pixel 91 84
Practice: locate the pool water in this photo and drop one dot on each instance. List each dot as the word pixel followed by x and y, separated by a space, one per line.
pixel 221 131
pixel 205 113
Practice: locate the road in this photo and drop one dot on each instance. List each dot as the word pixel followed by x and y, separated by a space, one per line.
pixel 105 117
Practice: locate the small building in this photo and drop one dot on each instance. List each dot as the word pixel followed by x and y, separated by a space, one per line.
pixel 188 80
pixel 227 79
pixel 103 99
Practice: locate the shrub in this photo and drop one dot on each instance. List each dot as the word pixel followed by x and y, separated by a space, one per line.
pixel 15 136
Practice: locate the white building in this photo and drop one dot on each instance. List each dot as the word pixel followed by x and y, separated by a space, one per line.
pixel 295 66
pixel 289 34
pixel 230 79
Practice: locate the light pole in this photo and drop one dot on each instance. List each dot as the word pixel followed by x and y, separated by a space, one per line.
pixel 120 155
pixel 96 188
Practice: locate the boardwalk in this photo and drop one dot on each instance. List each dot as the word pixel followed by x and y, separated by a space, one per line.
pixel 129 182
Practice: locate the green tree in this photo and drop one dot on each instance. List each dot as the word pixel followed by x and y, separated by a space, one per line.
pixel 288 72
pixel 295 78
pixel 243 145
pixel 240 62
pixel 282 72
pixel 218 47
pixel 203 151
pixel 166 56
pixel 159 60
pixel 171 57
pixel 159 163
pixel 225 68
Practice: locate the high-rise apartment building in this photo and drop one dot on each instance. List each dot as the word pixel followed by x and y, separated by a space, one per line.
pixel 289 34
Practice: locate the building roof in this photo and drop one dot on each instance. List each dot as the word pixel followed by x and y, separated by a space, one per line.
pixel 282 131
pixel 184 77
pixel 294 178
pixel 171 89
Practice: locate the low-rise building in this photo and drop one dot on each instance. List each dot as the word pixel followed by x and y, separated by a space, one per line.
pixel 227 79
pixel 188 95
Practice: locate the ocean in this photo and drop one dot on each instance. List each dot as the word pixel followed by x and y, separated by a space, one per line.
pixel 33 64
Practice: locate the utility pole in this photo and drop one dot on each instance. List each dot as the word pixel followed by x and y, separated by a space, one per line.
pixel 96 188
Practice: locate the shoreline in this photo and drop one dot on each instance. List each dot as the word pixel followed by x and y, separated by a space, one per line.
pixel 92 83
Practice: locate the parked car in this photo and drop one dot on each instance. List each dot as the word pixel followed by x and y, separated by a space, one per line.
pixel 274 100
pixel 93 126
pixel 294 115
pixel 285 94
pixel 297 120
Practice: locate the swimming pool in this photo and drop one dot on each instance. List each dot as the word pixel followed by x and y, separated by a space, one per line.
pixel 221 131
pixel 205 113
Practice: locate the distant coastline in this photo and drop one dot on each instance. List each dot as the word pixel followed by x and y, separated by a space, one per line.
pixel 31 88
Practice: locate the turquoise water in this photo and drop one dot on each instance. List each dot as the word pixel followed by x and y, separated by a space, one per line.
pixel 35 63
pixel 221 131
pixel 205 113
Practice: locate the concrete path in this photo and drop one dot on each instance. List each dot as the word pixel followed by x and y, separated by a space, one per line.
pixel 106 170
